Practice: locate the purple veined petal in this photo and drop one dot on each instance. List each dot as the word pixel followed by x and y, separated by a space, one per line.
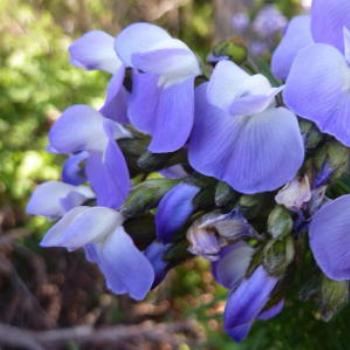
pixel 174 172
pixel 115 106
pixel 247 152
pixel 80 128
pixel 108 175
pixel 318 89
pixel 138 37
pixel 92 253
pixel 246 303
pixel 224 83
pixel 297 37
pixel 95 50
pixel 173 210
pixel 143 101
pixel 272 312
pixel 78 228
pixel 124 266
pixel 53 236
pixel 174 120
pixel 328 18
pixel 330 239
pixel 174 62
pixel 347 44
pixel 155 254
pixel 53 198
pixel 72 172
pixel 232 265
pixel 156 111
pixel 253 104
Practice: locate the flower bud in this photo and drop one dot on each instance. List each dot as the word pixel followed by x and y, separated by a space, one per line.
pixel 334 296
pixel 277 255
pixel 156 161
pixel 146 195
pixel 252 206
pixel 225 195
pixel 279 223
pixel 232 49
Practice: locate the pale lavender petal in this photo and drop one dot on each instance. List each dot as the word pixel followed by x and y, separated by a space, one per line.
pixel 174 120
pixel 53 198
pixel 108 175
pixel 138 37
pixel 297 37
pixel 72 171
pixel 272 312
pixel 80 128
pixel 246 303
pixel 249 153
pixel 328 18
pixel 347 44
pixel 95 50
pixel 224 84
pixel 82 226
pixel 173 210
pixel 174 172
pixel 318 89
pixel 330 238
pixel 124 266
pixel 115 106
pixel 232 265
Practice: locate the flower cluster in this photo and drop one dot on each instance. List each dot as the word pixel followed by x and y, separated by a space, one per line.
pixel 227 166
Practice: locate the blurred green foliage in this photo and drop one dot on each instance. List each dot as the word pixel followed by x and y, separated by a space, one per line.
pixel 37 83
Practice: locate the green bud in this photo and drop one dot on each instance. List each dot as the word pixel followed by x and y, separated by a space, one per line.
pixel 312 135
pixel 225 195
pixel 205 199
pixel 177 253
pixel 277 255
pixel 279 222
pixel 146 196
pixel 233 49
pixel 334 296
pixel 252 206
pixel 156 161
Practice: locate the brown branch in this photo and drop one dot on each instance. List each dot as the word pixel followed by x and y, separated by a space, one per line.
pixel 39 340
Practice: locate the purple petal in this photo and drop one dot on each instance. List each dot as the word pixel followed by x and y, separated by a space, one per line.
pixel 330 239
pixel 115 106
pixel 246 303
pixel 138 37
pixel 247 152
pixel 156 111
pixel 328 18
pixel 224 83
pixel 108 175
pixel 232 265
pixel 174 172
pixel 80 128
pixel 95 50
pixel 81 226
pixel 317 89
pixel 173 210
pixel 272 311
pixel 72 172
pixel 347 44
pixel 297 37
pixel 53 198
pixel 125 268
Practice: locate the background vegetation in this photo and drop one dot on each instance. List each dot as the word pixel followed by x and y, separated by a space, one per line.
pixel 47 290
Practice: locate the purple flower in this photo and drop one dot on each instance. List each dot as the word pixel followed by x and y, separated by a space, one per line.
pixel 82 129
pixel 240 22
pixel 54 198
pixel 330 238
pixel 240 137
pixel 72 171
pixel 326 24
pixel 164 69
pixel 100 232
pixel 246 304
pixel 95 51
pixel 173 210
pixel 269 21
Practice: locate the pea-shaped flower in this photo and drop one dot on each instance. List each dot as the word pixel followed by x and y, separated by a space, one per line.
pixel 240 136
pixel 100 232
